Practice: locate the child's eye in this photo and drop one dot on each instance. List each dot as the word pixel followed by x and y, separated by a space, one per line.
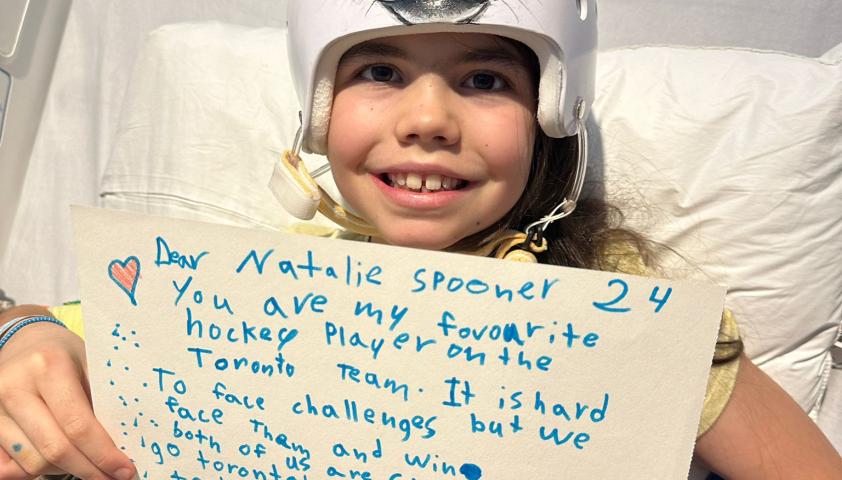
pixel 380 73
pixel 485 81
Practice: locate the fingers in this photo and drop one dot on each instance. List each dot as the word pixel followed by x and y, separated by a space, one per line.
pixel 50 422
pixel 18 458
pixel 73 414
pixel 9 468
pixel 49 444
pixel 48 425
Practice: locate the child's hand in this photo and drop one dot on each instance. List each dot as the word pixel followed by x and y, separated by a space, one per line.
pixel 47 425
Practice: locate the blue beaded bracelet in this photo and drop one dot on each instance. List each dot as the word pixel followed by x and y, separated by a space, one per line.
pixel 28 321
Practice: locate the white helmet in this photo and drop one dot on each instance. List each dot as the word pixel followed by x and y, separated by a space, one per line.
pixel 562 33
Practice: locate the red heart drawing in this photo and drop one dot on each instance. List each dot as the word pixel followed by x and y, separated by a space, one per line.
pixel 125 273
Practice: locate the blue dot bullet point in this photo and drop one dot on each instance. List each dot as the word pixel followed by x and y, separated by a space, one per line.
pixel 470 471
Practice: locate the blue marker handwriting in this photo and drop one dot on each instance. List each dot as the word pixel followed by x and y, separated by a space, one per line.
pixel 220 392
pixel 469 330
pixel 341 450
pixel 206 358
pixel 167 256
pixel 352 411
pixel 379 382
pixel 351 272
pixel 241 332
pixel 219 302
pixel 440 282
pixel 281 439
pixel 348 337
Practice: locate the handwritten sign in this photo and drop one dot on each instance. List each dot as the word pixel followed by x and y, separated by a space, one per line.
pixel 223 353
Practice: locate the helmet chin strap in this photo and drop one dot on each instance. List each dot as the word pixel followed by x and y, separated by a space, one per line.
pixel 298 192
pixel 535 231
pixel 296 189
pixel 342 217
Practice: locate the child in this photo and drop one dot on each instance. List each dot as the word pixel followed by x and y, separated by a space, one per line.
pixel 449 125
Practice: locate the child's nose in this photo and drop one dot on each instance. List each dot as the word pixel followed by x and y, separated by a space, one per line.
pixel 428 115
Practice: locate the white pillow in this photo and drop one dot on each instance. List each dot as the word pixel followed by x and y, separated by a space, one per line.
pixel 738 150
pixel 209 109
pixel 737 158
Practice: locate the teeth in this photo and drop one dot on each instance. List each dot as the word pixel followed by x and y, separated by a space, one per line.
pixel 397 179
pixel 420 182
pixel 433 182
pixel 413 181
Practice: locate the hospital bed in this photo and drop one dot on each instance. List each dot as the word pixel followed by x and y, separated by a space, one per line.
pixel 735 135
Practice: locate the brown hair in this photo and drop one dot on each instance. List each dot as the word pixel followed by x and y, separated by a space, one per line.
pixel 578 240
pixel 585 237
pixel 582 239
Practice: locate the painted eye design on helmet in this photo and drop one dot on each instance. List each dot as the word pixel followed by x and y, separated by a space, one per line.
pixel 412 12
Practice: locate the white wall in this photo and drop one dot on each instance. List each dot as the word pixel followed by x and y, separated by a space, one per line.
pixel 805 27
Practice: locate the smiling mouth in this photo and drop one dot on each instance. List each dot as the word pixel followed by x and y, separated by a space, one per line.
pixel 417 182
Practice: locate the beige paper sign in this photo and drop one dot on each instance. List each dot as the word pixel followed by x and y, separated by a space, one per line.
pixel 225 353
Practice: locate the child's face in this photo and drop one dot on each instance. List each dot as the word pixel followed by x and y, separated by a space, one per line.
pixel 431 135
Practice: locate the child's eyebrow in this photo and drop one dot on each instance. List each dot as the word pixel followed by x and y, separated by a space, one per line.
pixel 374 49
pixel 496 56
pixel 501 56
